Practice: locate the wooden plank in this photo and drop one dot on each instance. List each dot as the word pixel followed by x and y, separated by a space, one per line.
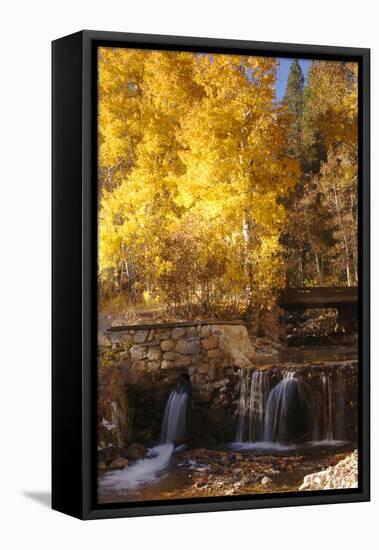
pixel 319 297
pixel 194 323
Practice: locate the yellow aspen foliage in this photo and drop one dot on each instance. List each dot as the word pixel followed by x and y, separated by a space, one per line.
pixel 191 171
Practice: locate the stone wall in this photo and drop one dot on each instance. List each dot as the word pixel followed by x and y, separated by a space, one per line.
pixel 141 365
pixel 149 359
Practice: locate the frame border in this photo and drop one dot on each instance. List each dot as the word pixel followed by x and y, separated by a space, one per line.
pixel 87 280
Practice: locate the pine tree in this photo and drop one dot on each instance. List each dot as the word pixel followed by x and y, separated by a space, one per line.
pixel 294 101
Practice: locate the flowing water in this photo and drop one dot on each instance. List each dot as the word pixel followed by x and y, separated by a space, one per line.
pixel 148 470
pixel 174 419
pixel 291 412
pixel 279 418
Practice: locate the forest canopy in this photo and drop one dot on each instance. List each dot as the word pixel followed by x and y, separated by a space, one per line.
pixel 213 195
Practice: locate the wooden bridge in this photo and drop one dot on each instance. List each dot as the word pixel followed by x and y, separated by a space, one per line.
pixel 344 299
pixel 319 297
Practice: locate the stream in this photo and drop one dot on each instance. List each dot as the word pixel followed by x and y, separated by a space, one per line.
pixel 277 442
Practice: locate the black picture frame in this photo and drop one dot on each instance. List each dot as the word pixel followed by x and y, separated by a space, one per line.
pixel 74 295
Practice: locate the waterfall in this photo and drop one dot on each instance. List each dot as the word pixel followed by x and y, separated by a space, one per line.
pixel 148 470
pixel 293 411
pixel 290 414
pixel 175 415
pixel 333 397
pixel 252 404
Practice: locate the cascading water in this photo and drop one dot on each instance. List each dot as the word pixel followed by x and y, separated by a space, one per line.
pixel 333 405
pixel 290 413
pixel 252 404
pixel 293 411
pixel 147 470
pixel 175 415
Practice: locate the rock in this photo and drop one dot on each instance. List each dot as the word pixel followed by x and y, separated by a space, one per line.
pixel 167 364
pixel 167 345
pixel 181 346
pixel 193 348
pixel 214 353
pixel 119 464
pixel 178 332
pixel 210 342
pixel 153 366
pixel 266 480
pixel 135 451
pixel 203 369
pixel 235 343
pixel 192 333
pixel 154 354
pixel 205 331
pixel 109 453
pixel 140 336
pixel 103 339
pixel 344 475
pixel 126 340
pixel 139 365
pixel 169 355
pixel 163 334
pixel 101 465
pixel 151 335
pixel 138 352
pixel 182 361
pixel 204 396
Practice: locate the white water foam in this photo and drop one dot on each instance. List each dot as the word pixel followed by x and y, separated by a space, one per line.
pixel 145 470
pixel 262 446
pixel 271 447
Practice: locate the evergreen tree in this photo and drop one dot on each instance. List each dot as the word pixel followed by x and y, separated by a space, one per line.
pixel 294 101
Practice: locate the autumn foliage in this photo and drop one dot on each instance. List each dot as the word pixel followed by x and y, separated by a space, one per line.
pixel 197 180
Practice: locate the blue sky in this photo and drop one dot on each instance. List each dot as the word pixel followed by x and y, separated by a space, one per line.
pixel 283 72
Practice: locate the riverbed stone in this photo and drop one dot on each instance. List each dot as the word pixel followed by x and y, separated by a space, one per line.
pixel 135 451
pixel 119 464
pixel 266 480
pixel 344 475
pixel 167 345
pixel 211 342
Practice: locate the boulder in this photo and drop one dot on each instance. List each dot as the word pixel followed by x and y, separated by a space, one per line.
pixel 235 343
pixel 119 464
pixel 344 475
pixel 135 451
